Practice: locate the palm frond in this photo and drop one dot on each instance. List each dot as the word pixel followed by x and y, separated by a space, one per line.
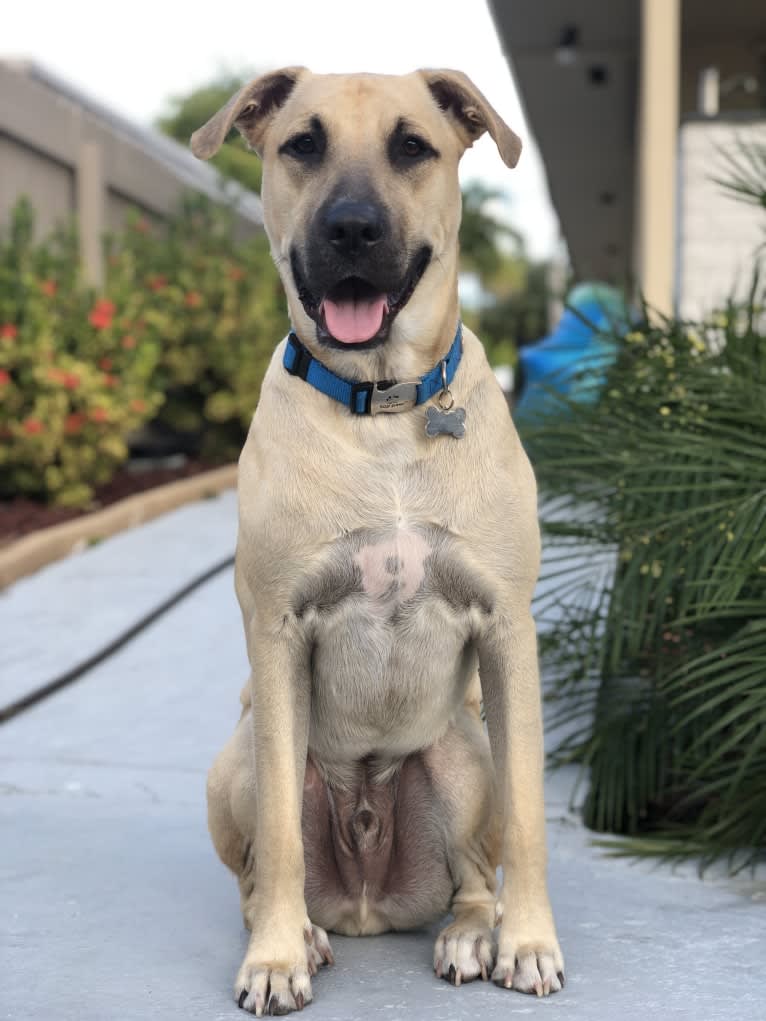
pixel 652 600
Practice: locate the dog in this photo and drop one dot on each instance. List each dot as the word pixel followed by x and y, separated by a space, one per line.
pixel 386 560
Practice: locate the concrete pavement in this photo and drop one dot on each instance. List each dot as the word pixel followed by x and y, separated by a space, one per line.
pixel 113 904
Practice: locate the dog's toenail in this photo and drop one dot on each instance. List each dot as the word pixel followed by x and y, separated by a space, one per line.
pixel 562 980
pixel 451 974
pixel 299 1001
pixel 242 997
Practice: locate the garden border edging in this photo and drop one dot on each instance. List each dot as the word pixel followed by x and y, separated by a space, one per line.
pixel 31 552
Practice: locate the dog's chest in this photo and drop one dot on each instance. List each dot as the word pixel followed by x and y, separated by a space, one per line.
pixel 389 575
pixel 392 570
pixel 392 613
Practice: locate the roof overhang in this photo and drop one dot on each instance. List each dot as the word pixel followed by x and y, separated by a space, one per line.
pixel 575 63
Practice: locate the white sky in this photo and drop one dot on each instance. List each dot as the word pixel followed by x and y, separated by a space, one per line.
pixel 133 56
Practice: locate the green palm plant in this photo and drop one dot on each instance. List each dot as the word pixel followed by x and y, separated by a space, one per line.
pixel 745 170
pixel 658 658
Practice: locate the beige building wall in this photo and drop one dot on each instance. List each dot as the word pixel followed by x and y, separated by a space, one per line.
pixel 70 156
pixel 49 184
pixel 718 236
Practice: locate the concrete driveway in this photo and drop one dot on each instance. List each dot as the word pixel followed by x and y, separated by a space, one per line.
pixel 113 904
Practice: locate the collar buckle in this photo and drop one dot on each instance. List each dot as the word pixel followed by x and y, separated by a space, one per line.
pixel 387 397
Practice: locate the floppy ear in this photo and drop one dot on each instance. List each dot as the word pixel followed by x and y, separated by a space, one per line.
pixel 472 114
pixel 249 110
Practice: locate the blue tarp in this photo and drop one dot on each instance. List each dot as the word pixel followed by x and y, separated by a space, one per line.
pixel 573 360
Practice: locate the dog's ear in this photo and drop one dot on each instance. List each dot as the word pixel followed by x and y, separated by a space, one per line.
pixel 471 113
pixel 249 110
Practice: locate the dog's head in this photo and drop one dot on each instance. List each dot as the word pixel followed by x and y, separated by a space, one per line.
pixel 360 194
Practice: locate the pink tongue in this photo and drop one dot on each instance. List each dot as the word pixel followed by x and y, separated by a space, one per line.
pixel 353 322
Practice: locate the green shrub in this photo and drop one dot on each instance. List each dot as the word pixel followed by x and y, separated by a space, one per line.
pixel 73 383
pixel 182 334
pixel 216 306
pixel 659 657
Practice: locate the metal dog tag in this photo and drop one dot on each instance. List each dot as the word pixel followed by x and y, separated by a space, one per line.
pixel 445 423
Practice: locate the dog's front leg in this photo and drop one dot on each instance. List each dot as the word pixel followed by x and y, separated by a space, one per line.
pixel 274 976
pixel 529 958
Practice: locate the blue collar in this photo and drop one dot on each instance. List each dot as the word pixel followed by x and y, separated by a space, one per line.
pixel 372 398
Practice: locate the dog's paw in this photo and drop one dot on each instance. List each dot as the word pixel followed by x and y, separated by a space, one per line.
pixel 530 967
pixel 463 952
pixel 318 950
pixel 278 981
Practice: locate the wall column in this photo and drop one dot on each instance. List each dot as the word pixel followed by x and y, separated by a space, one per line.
pixel 90 211
pixel 657 148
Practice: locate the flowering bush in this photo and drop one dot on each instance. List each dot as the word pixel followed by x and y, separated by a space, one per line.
pixel 216 307
pixel 181 334
pixel 72 386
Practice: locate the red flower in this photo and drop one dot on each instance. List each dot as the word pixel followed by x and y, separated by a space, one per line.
pixel 69 380
pixel 157 283
pixel 138 405
pixel 193 299
pixel 111 381
pixel 99 415
pixel 4 377
pixel 102 314
pixel 105 364
pixel 235 273
pixel 73 423
pixel 128 342
pixel 32 426
pixel 8 331
pixel 49 287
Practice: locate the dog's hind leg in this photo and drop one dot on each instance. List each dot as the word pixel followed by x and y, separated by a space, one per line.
pixel 230 812
pixel 460 766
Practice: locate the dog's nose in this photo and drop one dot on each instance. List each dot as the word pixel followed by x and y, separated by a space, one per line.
pixel 353 228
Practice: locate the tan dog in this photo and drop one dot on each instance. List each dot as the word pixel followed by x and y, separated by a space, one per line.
pixel 380 571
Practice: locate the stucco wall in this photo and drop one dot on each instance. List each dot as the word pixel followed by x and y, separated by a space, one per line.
pixel 717 236
pixel 70 155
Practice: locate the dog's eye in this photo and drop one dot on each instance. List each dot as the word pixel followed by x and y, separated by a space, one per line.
pixel 413 146
pixel 307 146
pixel 303 145
pixel 407 151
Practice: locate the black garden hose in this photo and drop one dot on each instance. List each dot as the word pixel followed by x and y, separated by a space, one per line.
pixel 85 666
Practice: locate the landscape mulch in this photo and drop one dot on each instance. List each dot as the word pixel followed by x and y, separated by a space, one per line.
pixel 20 516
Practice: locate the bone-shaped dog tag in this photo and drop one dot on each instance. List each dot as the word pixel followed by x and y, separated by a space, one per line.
pixel 445 423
